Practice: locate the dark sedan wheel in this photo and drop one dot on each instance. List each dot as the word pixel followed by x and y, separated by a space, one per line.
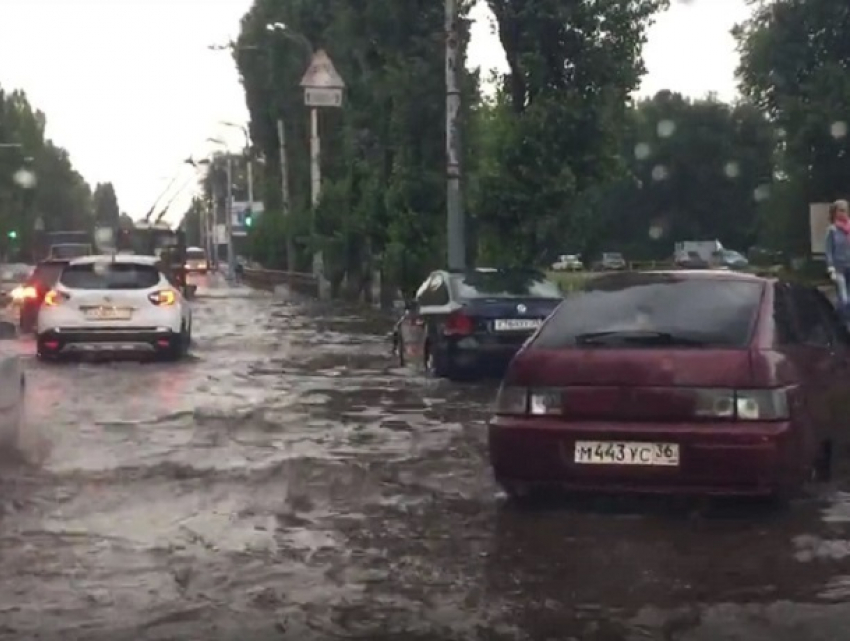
pixel 399 348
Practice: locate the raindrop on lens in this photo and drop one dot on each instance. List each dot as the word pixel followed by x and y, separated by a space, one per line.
pixel 24 178
pixel 659 172
pixel 761 193
pixel 838 130
pixel 666 128
pixel 732 169
pixel 642 151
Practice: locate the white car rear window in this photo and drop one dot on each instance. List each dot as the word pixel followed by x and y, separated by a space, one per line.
pixel 110 276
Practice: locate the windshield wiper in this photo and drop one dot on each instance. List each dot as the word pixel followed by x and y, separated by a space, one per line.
pixel 644 337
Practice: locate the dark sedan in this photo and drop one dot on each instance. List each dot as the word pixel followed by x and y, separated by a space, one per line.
pixel 467 324
pixel 30 295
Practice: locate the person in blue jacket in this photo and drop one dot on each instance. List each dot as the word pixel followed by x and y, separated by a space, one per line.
pixel 837 250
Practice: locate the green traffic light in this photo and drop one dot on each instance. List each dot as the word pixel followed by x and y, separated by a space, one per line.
pixel 13 234
pixel 248 221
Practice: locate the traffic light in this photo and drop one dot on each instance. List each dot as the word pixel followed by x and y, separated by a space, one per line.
pixel 12 234
pixel 248 220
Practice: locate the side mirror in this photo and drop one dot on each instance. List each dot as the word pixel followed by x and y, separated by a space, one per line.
pixel 410 305
pixel 8 331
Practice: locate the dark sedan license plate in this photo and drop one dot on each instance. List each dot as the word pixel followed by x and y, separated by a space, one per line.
pixel 516 324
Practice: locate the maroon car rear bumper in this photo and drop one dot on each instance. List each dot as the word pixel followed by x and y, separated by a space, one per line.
pixel 755 459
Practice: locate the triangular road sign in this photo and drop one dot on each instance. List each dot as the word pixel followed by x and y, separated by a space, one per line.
pixel 321 74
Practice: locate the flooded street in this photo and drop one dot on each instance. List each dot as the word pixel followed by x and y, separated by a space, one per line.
pixel 289 482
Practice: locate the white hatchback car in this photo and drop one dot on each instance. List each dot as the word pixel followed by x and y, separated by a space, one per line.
pixel 12 388
pixel 118 303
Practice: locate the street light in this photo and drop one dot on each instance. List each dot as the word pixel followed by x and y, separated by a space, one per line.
pixel 286 32
pixel 228 220
pixel 249 165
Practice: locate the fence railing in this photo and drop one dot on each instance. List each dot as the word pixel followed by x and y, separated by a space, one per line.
pixel 270 278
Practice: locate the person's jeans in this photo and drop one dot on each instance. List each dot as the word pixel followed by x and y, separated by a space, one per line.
pixel 842 278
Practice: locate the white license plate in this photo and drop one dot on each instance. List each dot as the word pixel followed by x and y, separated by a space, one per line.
pixel 626 453
pixel 109 313
pixel 516 324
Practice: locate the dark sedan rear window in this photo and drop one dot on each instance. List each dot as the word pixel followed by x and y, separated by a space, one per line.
pixel 696 311
pixel 110 276
pixel 504 284
pixel 46 274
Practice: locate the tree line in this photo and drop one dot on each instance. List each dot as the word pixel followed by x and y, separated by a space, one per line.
pixel 558 156
pixel 39 186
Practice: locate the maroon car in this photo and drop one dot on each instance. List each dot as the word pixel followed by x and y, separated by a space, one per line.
pixel 701 383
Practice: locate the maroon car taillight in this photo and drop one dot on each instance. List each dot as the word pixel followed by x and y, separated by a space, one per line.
pixel 523 401
pixel 742 404
pixel 708 403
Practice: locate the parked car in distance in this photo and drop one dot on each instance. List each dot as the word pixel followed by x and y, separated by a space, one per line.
pixel 729 259
pixel 466 324
pixel 611 261
pixel 568 263
pixel 701 383
pixel 691 260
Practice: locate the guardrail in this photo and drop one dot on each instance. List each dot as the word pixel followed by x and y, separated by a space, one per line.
pixel 299 282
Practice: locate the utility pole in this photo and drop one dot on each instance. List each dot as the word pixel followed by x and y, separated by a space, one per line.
pixel 216 179
pixel 228 220
pixel 455 222
pixel 284 197
pixel 249 167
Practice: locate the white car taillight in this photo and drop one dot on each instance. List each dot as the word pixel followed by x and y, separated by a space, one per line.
pixel 163 298
pixel 54 297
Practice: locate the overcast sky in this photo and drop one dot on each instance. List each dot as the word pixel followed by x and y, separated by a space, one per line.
pixel 131 89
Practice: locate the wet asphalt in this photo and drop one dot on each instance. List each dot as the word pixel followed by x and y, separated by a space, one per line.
pixel 289 481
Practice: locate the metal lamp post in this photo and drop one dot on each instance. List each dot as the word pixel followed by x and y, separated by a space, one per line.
pixel 285 199
pixel 323 88
pixel 228 208
pixel 249 161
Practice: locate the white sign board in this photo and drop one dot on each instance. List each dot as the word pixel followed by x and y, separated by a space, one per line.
pixel 818 224
pixel 317 97
pixel 323 86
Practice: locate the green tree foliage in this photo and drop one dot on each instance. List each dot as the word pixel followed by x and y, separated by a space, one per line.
pixel 794 60
pixel 558 115
pixel 106 210
pixel 695 170
pixel 37 179
pixel 383 153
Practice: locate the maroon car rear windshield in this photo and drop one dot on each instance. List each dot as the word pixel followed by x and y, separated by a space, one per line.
pixel 640 310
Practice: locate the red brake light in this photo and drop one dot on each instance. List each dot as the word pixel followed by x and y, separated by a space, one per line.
pixel 163 297
pixel 21 293
pixel 458 324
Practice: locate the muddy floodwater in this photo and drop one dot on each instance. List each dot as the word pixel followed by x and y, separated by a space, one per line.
pixel 288 481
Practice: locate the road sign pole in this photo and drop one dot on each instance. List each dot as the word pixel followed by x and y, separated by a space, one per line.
pixel 323 87
pixel 316 185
